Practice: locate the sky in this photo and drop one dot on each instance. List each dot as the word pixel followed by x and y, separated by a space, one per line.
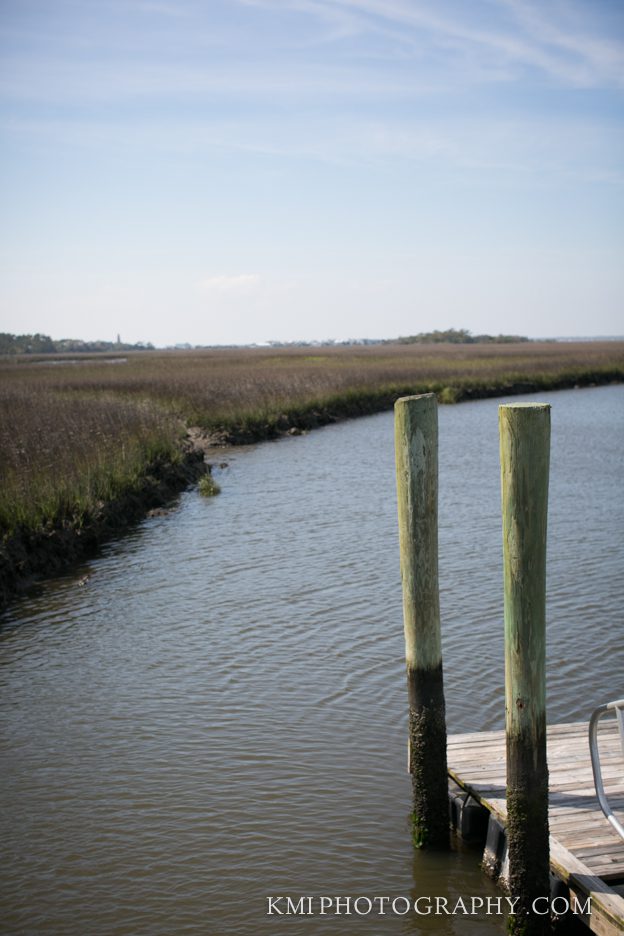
pixel 237 171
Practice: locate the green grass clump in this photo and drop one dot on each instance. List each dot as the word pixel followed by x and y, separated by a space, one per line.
pixel 448 395
pixel 208 487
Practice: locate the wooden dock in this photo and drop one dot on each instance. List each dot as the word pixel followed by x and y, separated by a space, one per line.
pixel 586 854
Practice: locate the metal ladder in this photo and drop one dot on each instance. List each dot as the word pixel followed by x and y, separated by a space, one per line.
pixel 618 708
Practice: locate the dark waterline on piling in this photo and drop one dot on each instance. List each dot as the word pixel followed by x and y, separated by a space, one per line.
pixel 218 713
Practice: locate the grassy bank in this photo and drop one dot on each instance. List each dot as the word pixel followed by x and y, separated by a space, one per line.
pixel 77 468
pixel 88 444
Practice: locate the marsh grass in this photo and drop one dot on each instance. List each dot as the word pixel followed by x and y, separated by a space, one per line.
pixel 75 435
pixel 63 456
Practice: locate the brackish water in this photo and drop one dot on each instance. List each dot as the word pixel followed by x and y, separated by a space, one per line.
pixel 217 714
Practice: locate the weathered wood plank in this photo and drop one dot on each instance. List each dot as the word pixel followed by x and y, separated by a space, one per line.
pixel 607 907
pixel 585 851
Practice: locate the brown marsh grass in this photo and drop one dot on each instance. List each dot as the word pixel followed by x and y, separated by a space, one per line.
pixel 75 434
pixel 63 455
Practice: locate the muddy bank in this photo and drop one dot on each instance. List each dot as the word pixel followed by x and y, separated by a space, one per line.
pixel 368 402
pixel 27 556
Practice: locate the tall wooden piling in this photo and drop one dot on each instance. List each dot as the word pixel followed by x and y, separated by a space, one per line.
pixel 525 455
pixel 416 444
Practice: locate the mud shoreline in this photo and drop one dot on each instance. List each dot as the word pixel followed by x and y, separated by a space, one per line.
pixel 28 556
pixel 367 403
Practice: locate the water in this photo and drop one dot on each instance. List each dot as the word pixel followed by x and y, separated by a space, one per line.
pixel 217 714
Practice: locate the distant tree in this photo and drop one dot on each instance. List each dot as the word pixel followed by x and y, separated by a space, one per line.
pixel 7 343
pixel 456 336
pixel 25 344
pixel 38 344
pixel 43 344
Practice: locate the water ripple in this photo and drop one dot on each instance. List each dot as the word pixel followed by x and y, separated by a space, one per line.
pixel 218 712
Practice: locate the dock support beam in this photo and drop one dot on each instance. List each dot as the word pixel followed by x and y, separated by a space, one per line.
pixel 416 444
pixel 525 456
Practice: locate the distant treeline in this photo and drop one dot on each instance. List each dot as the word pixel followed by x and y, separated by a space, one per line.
pixel 459 336
pixel 43 344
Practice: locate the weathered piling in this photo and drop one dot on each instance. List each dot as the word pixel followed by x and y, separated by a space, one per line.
pixel 416 444
pixel 525 455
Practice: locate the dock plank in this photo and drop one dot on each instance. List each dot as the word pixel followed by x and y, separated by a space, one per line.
pixel 585 852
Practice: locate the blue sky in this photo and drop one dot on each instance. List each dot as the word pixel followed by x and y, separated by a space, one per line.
pixel 247 170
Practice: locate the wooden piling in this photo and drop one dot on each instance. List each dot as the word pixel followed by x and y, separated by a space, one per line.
pixel 525 454
pixel 416 445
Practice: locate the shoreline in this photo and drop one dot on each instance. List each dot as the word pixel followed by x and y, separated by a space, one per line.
pixel 369 402
pixel 30 556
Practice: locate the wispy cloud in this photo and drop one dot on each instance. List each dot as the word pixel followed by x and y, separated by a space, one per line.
pixel 574 30
pixel 543 147
pixel 337 23
pixel 562 41
pixel 119 81
pixel 311 52
pixel 355 102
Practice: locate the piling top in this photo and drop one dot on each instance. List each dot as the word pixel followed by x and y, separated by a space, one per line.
pixel 414 396
pixel 524 406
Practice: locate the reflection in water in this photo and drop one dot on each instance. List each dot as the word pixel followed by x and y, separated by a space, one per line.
pixel 217 714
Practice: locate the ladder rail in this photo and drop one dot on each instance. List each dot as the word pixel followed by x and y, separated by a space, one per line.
pixel 618 708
